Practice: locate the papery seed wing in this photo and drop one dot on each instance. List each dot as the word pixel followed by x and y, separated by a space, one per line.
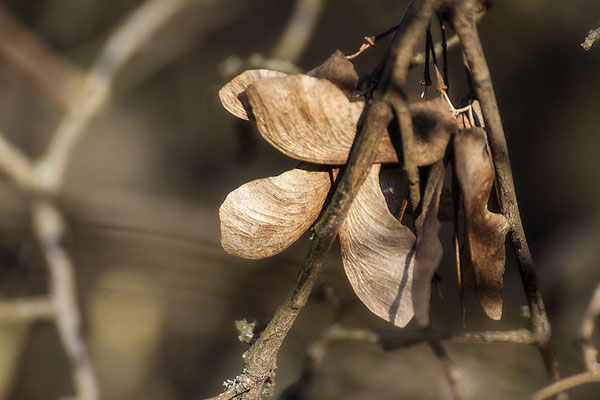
pixel 485 231
pixel 311 119
pixel 264 217
pixel 305 118
pixel 378 254
pixel 232 94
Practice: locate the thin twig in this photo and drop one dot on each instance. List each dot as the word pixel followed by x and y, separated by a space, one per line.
pixel 48 226
pixel 590 355
pixel 450 371
pixel 402 338
pixel 132 34
pixel 298 30
pixel 26 310
pixel 540 326
pixel 592 36
pixel 563 385
pixel 590 352
pixel 15 165
pixel 46 176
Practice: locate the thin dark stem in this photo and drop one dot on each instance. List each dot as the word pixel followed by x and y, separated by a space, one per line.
pixel 426 81
pixel 540 326
pixel 402 338
pixel 444 50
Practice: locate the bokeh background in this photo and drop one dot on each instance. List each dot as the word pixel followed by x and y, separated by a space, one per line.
pixel 158 294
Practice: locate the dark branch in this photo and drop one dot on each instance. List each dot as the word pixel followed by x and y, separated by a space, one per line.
pixel 540 326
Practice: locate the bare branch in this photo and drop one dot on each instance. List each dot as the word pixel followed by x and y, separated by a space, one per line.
pixel 450 371
pixel 15 164
pixel 48 226
pixel 298 30
pixel 565 384
pixel 133 34
pixel 26 310
pixel 402 338
pixel 590 355
pixel 540 326
pixel 590 352
pixel 38 65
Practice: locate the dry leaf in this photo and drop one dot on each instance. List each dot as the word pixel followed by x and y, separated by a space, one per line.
pixel 339 70
pixel 306 118
pixel 485 231
pixel 312 120
pixel 429 251
pixel 265 216
pixel 232 94
pixel 378 254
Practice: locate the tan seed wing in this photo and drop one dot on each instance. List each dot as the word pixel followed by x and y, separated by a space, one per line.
pixel 311 119
pixel 306 118
pixel 377 252
pixel 232 94
pixel 485 231
pixel 265 216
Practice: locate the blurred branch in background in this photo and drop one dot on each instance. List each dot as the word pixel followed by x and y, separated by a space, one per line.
pixel 291 45
pixel 130 36
pixel 26 310
pixel 588 350
pixel 43 179
pixel 299 30
pixel 29 58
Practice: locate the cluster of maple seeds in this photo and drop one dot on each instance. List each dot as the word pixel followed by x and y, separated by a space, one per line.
pixel 312 118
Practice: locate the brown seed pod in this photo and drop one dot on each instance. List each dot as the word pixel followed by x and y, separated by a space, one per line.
pixel 265 216
pixel 312 120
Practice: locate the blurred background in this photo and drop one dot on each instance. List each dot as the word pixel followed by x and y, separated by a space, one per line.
pixel 159 296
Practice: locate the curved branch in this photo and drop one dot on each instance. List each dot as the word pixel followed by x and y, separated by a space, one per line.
pixel 590 353
pixel 15 165
pixel 565 384
pixel 95 91
pixel 48 226
pixel 540 326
